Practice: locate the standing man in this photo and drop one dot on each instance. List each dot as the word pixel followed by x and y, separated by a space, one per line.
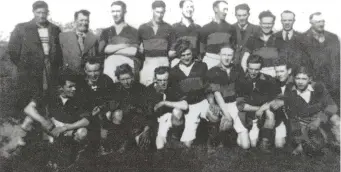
pixel 264 44
pixel 187 29
pixel 216 34
pixel 79 43
pixel 244 30
pixel 293 47
pixel 34 48
pixel 119 42
pixel 324 50
pixel 156 38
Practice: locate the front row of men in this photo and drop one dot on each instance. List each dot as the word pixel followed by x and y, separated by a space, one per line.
pixel 261 109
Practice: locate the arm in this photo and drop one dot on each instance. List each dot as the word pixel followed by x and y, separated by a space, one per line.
pixel 129 51
pixel 182 105
pixel 111 49
pixel 14 45
pixel 31 111
pixel 244 60
pixel 79 124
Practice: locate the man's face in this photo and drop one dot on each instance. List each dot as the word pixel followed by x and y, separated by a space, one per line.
pixel 282 73
pixel 92 71
pixel 317 23
pixel 302 81
pixel 188 9
pixel 82 23
pixel 162 81
pixel 186 57
pixel 158 14
pixel 117 13
pixel 40 15
pixel 254 69
pixel 68 90
pixel 266 24
pixel 242 16
pixel 221 10
pixel 226 56
pixel 126 80
pixel 288 20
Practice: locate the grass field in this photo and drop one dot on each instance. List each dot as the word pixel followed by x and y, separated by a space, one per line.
pixel 174 159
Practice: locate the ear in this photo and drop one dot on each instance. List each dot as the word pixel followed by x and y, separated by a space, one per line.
pixel 289 71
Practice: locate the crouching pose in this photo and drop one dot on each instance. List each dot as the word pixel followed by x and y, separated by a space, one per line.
pixel 167 107
pixel 222 81
pixel 311 108
pixel 127 120
pixel 255 96
pixel 187 80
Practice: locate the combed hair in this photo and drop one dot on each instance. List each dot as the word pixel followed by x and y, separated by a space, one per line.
pixel 67 75
pixel 123 69
pixel 181 45
pixel 283 61
pixel 92 61
pixel 181 4
pixel 39 4
pixel 84 12
pixel 161 70
pixel 255 59
pixel 242 7
pixel 288 11
pixel 158 4
pixel 267 13
pixel 303 70
pixel 120 3
pixel 216 3
pixel 314 14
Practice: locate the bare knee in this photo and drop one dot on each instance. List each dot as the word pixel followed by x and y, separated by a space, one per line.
pixel 117 116
pixel 177 117
pixel 81 134
pixel 269 119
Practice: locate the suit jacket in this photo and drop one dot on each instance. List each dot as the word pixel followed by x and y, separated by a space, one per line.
pixel 73 58
pixel 240 43
pixel 294 50
pixel 26 52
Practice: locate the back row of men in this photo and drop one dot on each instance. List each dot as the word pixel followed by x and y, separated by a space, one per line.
pixel 220 73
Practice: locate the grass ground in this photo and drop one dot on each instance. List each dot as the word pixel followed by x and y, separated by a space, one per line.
pixel 175 159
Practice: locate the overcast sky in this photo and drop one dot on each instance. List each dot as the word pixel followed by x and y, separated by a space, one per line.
pixel 139 11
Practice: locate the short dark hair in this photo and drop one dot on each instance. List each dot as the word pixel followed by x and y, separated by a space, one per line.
pixel 39 4
pixel 182 45
pixel 282 61
pixel 181 4
pixel 304 70
pixel 67 75
pixel 123 69
pixel 242 7
pixel 158 4
pixel 314 14
pixel 253 58
pixel 161 70
pixel 93 61
pixel 84 12
pixel 120 3
pixel 267 13
pixel 216 3
pixel 288 11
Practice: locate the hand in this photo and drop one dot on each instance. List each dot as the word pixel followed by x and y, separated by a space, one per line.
pixel 265 107
pixel 315 124
pixel 57 131
pixel 47 125
pixel 276 104
pixel 159 105
pixel 144 140
pixel 259 113
pixel 96 111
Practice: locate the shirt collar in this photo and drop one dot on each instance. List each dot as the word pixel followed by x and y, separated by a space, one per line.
pixel 82 34
pixel 291 32
pixel 243 28
pixel 309 88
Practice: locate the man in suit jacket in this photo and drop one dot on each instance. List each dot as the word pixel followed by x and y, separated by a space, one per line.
pixel 244 30
pixel 79 43
pixel 293 49
pixel 34 48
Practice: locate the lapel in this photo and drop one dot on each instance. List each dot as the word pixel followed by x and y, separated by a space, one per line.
pixel 33 35
pixel 88 42
pixel 73 40
pixel 248 32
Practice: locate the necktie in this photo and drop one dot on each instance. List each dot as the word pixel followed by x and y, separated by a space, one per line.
pixel 286 36
pixel 242 33
pixel 81 41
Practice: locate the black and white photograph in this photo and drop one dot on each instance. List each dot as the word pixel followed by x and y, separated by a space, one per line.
pixel 169 86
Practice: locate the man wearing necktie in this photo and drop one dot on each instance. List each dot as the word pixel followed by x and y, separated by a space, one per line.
pixel 79 44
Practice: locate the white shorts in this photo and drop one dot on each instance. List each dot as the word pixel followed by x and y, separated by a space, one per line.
pixel 165 123
pixel 211 60
pixel 111 63
pixel 281 131
pixel 192 119
pixel 233 111
pixel 149 65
